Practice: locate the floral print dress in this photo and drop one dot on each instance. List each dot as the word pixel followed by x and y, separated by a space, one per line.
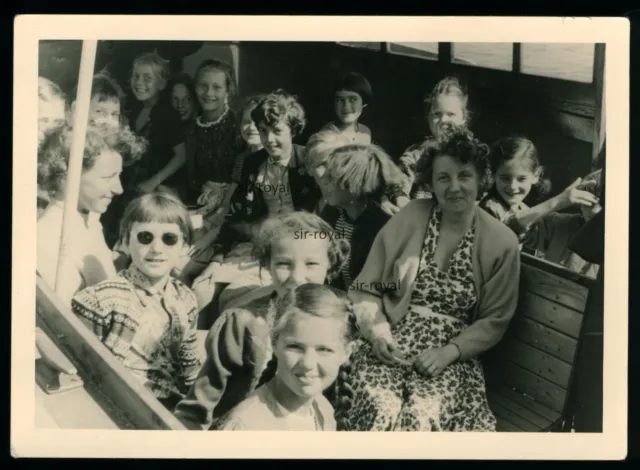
pixel 401 399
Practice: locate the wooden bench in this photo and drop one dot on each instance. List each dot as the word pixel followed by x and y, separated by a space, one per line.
pixel 531 373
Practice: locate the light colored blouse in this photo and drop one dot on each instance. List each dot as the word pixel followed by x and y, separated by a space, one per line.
pixel 261 412
pixel 87 259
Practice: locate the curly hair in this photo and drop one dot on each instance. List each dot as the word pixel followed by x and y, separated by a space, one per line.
pixel 220 66
pixel 291 224
pixel 279 106
pixel 54 152
pixel 362 170
pixel 461 145
pixel 320 301
pixel 516 147
pixel 450 86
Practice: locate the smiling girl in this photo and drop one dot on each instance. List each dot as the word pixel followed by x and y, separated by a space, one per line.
pixel 313 333
pixel 146 318
pixel 237 346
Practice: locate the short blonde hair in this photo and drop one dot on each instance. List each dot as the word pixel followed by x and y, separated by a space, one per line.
pixel 159 65
pixel 321 145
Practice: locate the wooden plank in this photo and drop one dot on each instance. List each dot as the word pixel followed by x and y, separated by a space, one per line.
pixel 546 339
pixel 100 366
pixel 526 402
pixel 565 320
pixel 511 417
pixel 539 421
pixel 554 288
pixel 539 362
pixel 503 425
pixel 538 388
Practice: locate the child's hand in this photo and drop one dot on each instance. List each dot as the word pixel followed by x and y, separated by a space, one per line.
pixel 576 194
pixel 389 207
pixel 433 361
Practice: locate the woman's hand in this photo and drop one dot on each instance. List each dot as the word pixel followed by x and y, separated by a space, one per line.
pixel 577 193
pixel 432 362
pixel 387 352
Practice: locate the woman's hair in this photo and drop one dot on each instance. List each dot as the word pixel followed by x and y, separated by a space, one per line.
pixel 160 66
pixel 449 86
pixel 292 225
pixel 158 207
pixel 279 106
pixel 519 148
pixel 220 66
pixel 54 152
pixel 356 83
pixel 321 145
pixel 462 146
pixel 362 170
pixel 320 301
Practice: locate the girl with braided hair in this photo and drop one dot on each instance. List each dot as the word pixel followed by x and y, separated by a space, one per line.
pixel 313 334
pixel 296 248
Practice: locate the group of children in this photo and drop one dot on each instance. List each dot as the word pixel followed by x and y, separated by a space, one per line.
pixel 272 356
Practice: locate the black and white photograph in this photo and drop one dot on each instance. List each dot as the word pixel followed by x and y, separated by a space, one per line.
pixel 242 233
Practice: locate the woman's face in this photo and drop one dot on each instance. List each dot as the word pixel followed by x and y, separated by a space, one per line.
pixel 299 259
pixel 310 351
pixel 248 129
pixel 211 90
pixel 182 102
pixel 100 183
pixel 348 106
pixel 446 111
pixel 455 184
pixel 155 248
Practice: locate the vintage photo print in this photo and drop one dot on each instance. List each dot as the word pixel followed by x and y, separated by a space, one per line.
pixel 354 225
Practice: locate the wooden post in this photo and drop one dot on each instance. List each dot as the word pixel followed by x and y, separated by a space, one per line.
pixel 74 167
pixel 599 124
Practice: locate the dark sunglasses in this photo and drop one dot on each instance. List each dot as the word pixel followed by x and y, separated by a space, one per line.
pixel 169 239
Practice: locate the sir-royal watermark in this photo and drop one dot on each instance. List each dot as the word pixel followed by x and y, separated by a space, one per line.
pixel 319 235
pixel 381 287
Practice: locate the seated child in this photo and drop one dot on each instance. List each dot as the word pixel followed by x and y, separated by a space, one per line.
pixel 542 230
pixel 237 346
pixel 144 317
pixel 312 336
pixel 447 109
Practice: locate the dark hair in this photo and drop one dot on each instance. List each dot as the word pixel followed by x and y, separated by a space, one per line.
pixel 248 103
pixel 362 170
pixel 284 225
pixel 156 207
pixel 54 152
pixel 220 66
pixel 515 147
pixel 320 301
pixel 105 88
pixel 279 106
pixel 461 145
pixel 449 86
pixel 185 80
pixel 356 83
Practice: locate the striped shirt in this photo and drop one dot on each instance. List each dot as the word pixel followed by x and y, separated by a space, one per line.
pixel 345 228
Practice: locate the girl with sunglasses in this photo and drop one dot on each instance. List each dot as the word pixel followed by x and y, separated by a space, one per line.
pixel 144 316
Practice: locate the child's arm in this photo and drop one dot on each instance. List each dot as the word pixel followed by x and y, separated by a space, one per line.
pixel 573 194
pixel 178 160
pixel 188 352
pixel 234 347
pixel 88 308
pixel 408 163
